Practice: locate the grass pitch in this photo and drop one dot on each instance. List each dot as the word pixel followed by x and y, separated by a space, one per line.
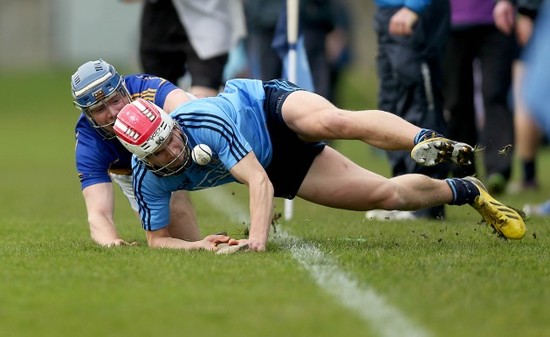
pixel 451 278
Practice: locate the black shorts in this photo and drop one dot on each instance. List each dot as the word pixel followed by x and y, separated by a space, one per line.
pixel 165 49
pixel 292 157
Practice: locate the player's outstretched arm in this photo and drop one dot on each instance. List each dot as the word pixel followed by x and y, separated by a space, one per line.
pixel 250 172
pixel 99 199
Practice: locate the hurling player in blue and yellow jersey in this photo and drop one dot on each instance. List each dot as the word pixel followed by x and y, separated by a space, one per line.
pixel 267 135
pixel 100 92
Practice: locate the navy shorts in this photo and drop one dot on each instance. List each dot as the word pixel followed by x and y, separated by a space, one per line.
pixel 292 157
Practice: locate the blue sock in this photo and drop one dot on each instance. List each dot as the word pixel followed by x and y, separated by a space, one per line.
pixel 425 134
pixel 464 191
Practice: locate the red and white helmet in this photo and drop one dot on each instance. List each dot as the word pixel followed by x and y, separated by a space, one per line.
pixel 143 127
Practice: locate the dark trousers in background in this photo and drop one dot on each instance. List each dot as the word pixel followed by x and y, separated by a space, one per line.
pixel 495 52
pixel 411 83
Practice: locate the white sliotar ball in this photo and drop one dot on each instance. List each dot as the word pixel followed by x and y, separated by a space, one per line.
pixel 201 154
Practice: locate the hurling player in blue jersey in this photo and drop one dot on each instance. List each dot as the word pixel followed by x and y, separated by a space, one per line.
pixel 100 92
pixel 267 135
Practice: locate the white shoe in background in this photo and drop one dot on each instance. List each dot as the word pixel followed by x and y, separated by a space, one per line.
pixel 381 214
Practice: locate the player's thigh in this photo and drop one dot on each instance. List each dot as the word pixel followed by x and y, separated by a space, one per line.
pixel 335 181
pixel 306 113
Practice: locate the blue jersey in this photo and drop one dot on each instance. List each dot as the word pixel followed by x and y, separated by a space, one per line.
pixel 96 156
pixel 231 124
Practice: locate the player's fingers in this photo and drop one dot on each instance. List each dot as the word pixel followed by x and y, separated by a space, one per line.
pixel 215 238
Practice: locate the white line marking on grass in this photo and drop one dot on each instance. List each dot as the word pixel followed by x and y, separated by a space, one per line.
pixel 361 299
pixel 386 320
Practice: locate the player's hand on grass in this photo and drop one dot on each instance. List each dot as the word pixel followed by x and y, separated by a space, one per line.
pixel 255 245
pixel 211 242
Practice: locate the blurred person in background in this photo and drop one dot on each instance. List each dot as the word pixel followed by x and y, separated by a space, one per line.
pixel 325 28
pixel 517 18
pixel 411 36
pixel 474 37
pixel 100 92
pixel 536 86
pixel 179 37
pixel 324 25
pixel 261 21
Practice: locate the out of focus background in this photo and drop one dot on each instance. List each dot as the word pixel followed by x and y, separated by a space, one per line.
pixel 59 35
pixel 38 33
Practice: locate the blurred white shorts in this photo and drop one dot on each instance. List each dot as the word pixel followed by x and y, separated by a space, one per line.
pixel 125 184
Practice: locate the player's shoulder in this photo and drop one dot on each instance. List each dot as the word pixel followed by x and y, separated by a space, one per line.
pixel 141 80
pixel 148 86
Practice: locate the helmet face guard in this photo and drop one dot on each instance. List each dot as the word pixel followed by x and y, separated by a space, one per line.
pixel 151 134
pixel 180 159
pixel 96 84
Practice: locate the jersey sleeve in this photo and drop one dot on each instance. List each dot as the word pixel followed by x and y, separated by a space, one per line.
pixel 207 123
pixel 152 88
pixel 91 163
pixel 153 198
pixel 229 144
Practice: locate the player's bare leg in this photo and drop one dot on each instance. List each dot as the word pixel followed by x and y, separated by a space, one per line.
pixel 314 118
pixel 335 181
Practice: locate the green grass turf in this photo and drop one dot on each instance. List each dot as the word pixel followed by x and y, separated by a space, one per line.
pixel 451 278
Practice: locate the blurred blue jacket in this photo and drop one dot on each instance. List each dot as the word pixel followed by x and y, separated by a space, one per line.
pixel 416 5
pixel 536 86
